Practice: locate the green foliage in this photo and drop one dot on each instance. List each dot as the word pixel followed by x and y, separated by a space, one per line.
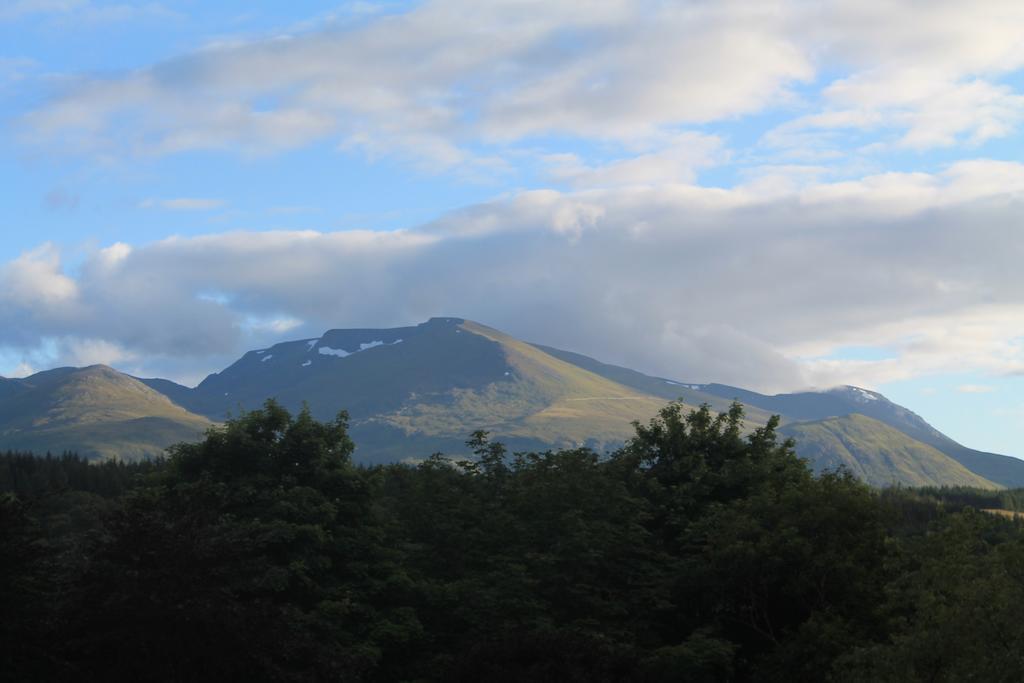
pixel 697 552
pixel 249 557
pixel 958 497
pixel 30 476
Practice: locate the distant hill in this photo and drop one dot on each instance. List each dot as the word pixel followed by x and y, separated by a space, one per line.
pixel 806 406
pixel 95 411
pixel 877 453
pixel 412 391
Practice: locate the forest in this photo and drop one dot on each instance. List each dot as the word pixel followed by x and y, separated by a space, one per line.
pixel 696 552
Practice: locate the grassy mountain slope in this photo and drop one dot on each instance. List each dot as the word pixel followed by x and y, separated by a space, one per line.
pixel 805 406
pixel 692 394
pixel 415 390
pixel 878 453
pixel 96 411
pixel 538 397
pixel 813 406
pixel 538 401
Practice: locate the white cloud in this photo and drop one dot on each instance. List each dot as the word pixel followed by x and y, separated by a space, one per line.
pixel 275 325
pixel 430 82
pixel 918 76
pixel 84 352
pixel 448 75
pixel 182 204
pixel 676 160
pixel 110 257
pixel 926 344
pixel 927 108
pixel 691 283
pixel 975 389
pixel 35 279
pixel 949 35
pixel 23 369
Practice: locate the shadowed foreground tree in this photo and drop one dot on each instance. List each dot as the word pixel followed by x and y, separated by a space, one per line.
pixel 251 556
pixel 697 552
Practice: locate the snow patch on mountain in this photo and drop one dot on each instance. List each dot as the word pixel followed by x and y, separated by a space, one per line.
pixel 342 353
pixel 857 394
pixel 864 396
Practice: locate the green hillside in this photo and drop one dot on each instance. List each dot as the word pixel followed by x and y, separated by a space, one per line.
pixel 692 394
pixel 817 405
pixel 95 411
pixel 877 453
pixel 538 398
pixel 417 390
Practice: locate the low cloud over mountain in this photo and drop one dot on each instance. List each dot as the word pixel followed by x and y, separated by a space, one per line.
pixel 748 285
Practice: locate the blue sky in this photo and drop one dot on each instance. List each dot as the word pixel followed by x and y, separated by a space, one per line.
pixel 775 195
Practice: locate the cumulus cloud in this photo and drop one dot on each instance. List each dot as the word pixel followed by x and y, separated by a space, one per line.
pixel 431 82
pixel 34 279
pixel 929 76
pixel 697 284
pixel 442 79
pixel 927 109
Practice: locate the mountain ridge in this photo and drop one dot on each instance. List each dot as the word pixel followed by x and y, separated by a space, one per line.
pixel 411 391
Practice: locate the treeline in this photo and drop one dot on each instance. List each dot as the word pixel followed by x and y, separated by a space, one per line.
pixel 28 475
pixel 694 553
pixel 982 499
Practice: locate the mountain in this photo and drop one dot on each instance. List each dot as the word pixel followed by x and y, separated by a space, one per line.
pixel 412 391
pixel 877 453
pixel 415 390
pixel 95 411
pixel 811 406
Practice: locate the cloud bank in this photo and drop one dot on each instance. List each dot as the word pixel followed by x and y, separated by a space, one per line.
pixel 741 286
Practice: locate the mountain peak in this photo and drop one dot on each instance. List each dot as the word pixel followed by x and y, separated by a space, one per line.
pixel 95 411
pixel 858 394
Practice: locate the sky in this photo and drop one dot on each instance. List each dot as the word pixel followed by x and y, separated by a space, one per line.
pixel 776 194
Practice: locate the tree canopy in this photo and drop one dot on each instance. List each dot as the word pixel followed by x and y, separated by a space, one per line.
pixel 696 552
